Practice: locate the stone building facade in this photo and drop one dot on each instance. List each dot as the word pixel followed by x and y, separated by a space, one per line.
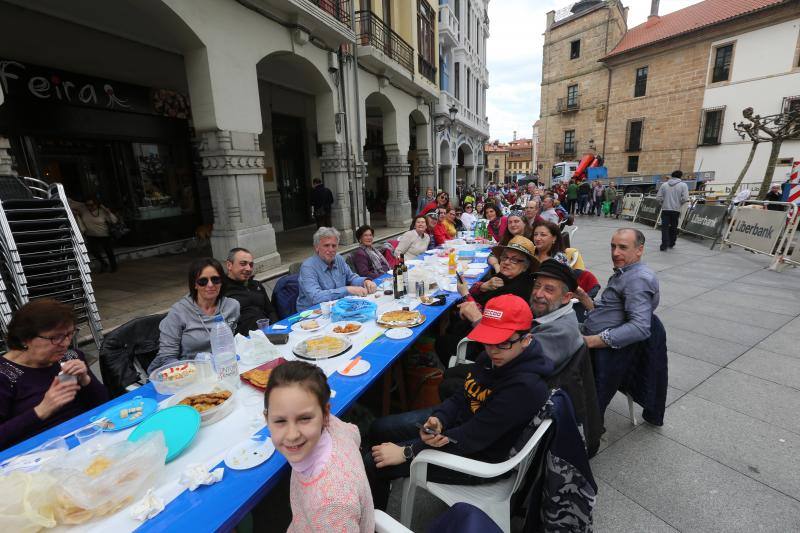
pixel 574 89
pixel 520 158
pixel 496 161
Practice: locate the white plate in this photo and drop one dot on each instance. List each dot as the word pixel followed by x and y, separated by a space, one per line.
pixel 398 333
pixel 249 454
pixel 362 367
pixel 344 323
pixel 297 327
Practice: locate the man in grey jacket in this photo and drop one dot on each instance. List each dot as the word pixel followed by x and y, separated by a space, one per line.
pixel 672 195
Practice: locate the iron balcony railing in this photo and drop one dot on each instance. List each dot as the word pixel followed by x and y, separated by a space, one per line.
pixel 568 104
pixel 426 69
pixel 566 149
pixel 372 31
pixel 339 9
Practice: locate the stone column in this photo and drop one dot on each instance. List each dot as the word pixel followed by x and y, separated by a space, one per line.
pixel 362 213
pixel 397 170
pixel 334 167
pixel 233 162
pixel 5 157
pixel 427 172
pixel 481 175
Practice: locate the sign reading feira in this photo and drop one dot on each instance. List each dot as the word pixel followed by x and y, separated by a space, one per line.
pixel 756 229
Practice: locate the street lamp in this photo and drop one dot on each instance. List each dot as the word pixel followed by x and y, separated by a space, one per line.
pixel 453 111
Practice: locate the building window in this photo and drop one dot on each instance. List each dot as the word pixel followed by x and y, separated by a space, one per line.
pixel 477 99
pixel 791 103
pixel 634 141
pixel 722 63
pixel 633 163
pixel 572 96
pixel 575 49
pixel 569 142
pixel 711 129
pixel 640 88
pixel 444 77
pixel 469 87
pixel 457 80
pixel 426 40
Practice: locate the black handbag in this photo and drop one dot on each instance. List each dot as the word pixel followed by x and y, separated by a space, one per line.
pixel 118 230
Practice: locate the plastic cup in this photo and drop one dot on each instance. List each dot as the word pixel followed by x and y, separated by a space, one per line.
pixel 326 307
pixel 263 324
pixel 254 406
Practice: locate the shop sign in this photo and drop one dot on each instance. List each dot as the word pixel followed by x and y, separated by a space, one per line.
pixel 32 84
pixel 705 220
pixel 756 229
pixel 630 204
pixel 649 210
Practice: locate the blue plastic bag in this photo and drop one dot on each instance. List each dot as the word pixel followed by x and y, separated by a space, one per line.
pixel 353 309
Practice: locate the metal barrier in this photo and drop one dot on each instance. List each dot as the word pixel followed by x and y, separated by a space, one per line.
pixel 630 205
pixel 765 232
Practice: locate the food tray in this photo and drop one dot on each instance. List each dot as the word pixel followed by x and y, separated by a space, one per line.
pixel 266 366
pixel 300 349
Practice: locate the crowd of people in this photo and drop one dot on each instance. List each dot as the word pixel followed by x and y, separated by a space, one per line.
pixel 537 312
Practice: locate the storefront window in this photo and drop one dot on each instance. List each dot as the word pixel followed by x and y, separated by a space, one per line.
pixel 163 186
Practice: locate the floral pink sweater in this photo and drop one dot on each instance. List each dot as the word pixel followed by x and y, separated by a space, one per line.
pixel 335 498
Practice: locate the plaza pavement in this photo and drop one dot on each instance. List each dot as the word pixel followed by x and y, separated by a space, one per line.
pixel 728 456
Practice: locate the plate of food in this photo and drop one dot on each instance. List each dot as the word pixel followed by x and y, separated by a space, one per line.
pixel 258 377
pixel 127 414
pixel 432 300
pixel 249 454
pixel 322 347
pixel 346 328
pixel 401 318
pixel 309 326
pixel 213 402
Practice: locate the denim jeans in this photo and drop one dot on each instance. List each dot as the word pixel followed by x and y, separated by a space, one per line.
pixel 669 228
pixel 401 429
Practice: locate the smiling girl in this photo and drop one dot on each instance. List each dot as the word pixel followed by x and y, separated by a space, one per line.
pixel 329 489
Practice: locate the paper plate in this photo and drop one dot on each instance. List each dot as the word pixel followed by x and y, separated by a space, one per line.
pixel 114 413
pixel 249 454
pixel 398 334
pixel 299 328
pixel 362 367
pixel 345 323
pixel 179 425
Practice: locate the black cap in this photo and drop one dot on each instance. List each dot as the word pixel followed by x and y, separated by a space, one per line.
pixel 553 269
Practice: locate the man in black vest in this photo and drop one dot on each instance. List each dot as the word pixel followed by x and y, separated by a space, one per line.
pixel 254 304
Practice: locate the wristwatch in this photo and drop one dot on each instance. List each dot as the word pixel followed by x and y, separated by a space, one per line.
pixel 408 453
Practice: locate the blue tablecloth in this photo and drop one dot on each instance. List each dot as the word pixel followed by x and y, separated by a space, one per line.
pixel 221 506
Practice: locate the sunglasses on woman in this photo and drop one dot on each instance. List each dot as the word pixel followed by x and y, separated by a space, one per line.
pixel 216 280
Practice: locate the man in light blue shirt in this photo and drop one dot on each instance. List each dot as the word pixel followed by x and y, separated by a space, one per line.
pixel 325 276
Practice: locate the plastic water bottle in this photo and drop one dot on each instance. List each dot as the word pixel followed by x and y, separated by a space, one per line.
pixel 223 349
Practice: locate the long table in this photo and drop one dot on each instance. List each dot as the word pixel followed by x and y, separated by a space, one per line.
pixel 222 505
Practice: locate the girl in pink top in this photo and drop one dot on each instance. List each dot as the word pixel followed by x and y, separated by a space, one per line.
pixel 329 490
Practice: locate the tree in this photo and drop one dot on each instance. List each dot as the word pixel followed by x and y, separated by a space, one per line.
pixel 773 129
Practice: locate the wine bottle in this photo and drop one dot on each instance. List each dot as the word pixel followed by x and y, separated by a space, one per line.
pixel 406 287
pixel 396 282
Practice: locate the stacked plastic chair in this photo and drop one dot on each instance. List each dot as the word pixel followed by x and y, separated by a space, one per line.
pixel 42 251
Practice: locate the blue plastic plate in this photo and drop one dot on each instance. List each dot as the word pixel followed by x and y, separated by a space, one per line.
pixel 114 413
pixel 179 424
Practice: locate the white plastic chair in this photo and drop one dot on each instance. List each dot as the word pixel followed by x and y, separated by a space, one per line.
pixel 570 231
pixel 493 498
pixel 631 409
pixel 460 357
pixel 386 524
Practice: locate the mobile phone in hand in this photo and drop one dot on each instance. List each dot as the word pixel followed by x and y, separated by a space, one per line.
pixel 459 278
pixel 426 429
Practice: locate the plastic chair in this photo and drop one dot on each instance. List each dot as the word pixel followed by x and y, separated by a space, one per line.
pixel 386 524
pixel 460 358
pixel 568 232
pixel 493 498
pixel 127 351
pixel 284 296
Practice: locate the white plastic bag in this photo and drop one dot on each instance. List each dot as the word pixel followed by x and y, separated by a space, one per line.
pixel 26 502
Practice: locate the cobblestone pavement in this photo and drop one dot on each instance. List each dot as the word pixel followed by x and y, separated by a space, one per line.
pixel 728 456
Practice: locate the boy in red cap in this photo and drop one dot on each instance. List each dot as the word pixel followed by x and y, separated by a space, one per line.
pixel 503 391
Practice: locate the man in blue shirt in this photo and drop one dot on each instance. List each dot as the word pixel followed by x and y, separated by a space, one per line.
pixel 623 314
pixel 325 276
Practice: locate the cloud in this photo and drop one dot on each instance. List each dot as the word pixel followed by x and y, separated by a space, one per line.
pixel 514 56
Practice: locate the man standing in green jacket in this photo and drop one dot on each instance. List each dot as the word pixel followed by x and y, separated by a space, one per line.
pixel 572 196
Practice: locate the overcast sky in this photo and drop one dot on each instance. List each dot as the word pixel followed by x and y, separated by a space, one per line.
pixel 515 58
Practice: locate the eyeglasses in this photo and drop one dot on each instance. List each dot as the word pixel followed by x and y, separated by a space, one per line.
pixel 507 344
pixel 512 260
pixel 216 280
pixel 58 339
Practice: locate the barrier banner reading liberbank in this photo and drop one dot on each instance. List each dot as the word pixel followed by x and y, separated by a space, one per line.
pixel 630 204
pixel 756 229
pixel 705 220
pixel 649 210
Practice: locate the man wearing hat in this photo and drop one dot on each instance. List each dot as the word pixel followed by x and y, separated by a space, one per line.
pixel 432 218
pixel 672 195
pixel 503 391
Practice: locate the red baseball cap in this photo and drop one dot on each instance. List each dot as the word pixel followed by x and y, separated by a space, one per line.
pixel 502 316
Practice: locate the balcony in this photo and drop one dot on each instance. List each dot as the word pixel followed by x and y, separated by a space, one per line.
pixel 427 70
pixel 327 20
pixel 449 33
pixel 569 104
pixel 566 150
pixel 339 9
pixel 373 32
pixel 465 117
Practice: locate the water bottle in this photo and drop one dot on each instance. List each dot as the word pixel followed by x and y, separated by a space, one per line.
pixel 223 349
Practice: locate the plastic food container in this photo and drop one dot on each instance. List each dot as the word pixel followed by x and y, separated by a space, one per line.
pixel 174 377
pixel 213 414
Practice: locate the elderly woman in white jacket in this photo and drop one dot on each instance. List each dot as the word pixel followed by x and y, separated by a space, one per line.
pixel 415 241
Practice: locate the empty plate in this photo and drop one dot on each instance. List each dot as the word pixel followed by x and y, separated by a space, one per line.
pixel 399 333
pixel 249 454
pixel 361 368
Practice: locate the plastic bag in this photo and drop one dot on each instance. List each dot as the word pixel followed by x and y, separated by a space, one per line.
pixel 353 309
pixel 103 482
pixel 26 501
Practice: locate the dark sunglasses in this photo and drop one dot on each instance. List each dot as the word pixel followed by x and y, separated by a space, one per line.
pixel 216 280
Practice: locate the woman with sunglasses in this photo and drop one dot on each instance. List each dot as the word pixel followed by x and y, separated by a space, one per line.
pixel 43 382
pixel 186 330
pixel 442 200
